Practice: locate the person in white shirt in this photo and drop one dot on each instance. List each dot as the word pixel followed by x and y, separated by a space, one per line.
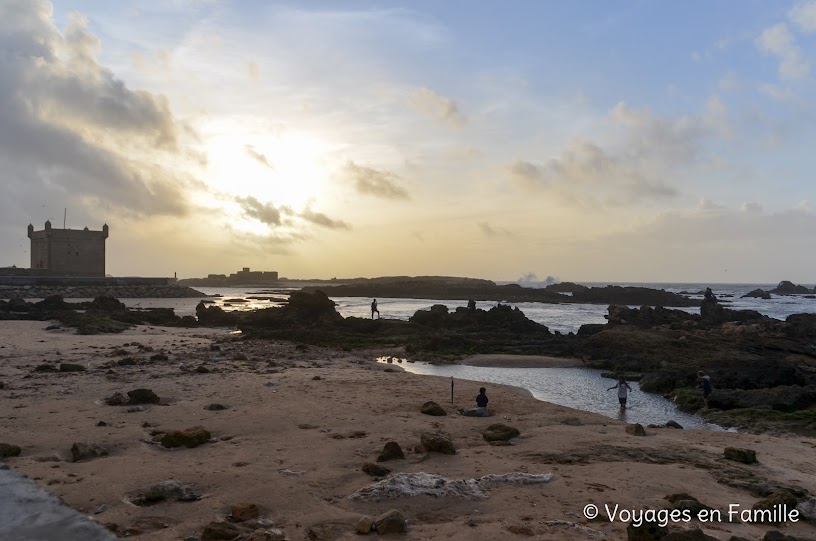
pixel 623 391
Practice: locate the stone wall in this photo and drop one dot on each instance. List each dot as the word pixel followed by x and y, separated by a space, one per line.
pixel 91 292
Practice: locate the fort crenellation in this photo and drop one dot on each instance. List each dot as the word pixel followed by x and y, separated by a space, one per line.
pixel 68 252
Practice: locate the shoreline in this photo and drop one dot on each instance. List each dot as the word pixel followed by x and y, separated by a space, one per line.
pixel 301 421
pixel 520 361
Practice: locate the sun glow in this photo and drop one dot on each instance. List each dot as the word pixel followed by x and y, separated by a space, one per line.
pixel 276 170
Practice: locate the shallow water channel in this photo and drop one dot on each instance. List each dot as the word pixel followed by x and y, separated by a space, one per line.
pixel 579 388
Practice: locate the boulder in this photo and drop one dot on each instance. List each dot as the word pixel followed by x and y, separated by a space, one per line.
pixel 142 396
pixel 647 531
pixel 158 492
pixel 746 456
pixel 364 525
pixel 69 367
pixel 432 408
pixel 8 450
pixel 500 432
pixel 807 508
pixel 789 288
pixel 674 424
pixel 116 399
pixel 775 501
pixel 636 429
pixel 86 451
pixel 243 512
pixel 757 294
pixel 215 407
pixel 220 531
pixel 191 437
pixel 389 522
pixel 375 470
pixel 437 443
pixel 391 451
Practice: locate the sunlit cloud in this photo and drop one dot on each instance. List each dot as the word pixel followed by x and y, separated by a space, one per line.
pixel 382 184
pixel 440 108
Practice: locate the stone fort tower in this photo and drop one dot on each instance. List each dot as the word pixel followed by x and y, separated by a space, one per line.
pixel 68 252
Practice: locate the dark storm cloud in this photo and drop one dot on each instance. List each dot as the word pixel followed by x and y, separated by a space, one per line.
pixel 368 181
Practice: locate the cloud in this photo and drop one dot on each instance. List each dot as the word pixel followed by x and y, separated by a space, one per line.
pixel 440 108
pixel 526 175
pixel 258 156
pixel 382 184
pixel 491 231
pixel 318 218
pixel 803 15
pixel 265 213
pixel 74 135
pixel 778 41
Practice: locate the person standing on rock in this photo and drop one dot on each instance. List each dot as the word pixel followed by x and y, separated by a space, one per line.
pixel 709 295
pixel 623 391
pixel 374 309
pixel 705 385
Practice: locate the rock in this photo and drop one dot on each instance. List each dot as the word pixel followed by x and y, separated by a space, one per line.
pixel 647 531
pixel 746 456
pixel 391 451
pixel 571 421
pixel 775 501
pixel 2 385
pixel 775 535
pixel 432 408
pixel 158 492
pixel 674 424
pixel 316 378
pixel 69 367
pixel 636 429
pixel 789 288
pixel 243 512
pixel 689 535
pixel 215 407
pixel 201 369
pixel 757 294
pixel 101 423
pixel 84 451
pixel 364 525
pixel 270 534
pixel 135 409
pixel 500 432
pixel 116 399
pixel 520 530
pixel 390 522
pixel 437 443
pixel 375 470
pixel 219 531
pixel 7 450
pixel 45 368
pixel 191 437
pixel 807 509
pixel 142 396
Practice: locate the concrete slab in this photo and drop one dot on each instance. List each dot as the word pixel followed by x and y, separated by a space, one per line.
pixel 28 513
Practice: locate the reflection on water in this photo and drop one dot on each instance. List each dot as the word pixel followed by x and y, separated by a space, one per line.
pixel 579 388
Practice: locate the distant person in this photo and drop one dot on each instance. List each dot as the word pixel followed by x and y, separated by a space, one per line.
pixel 709 295
pixel 471 305
pixel 374 309
pixel 481 406
pixel 623 391
pixel 704 383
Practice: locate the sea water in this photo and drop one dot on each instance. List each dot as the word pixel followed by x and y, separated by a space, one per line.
pixel 579 388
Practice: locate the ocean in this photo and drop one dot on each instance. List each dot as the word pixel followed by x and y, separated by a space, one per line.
pixel 580 388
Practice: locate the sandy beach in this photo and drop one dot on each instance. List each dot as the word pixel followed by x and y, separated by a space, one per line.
pixel 300 422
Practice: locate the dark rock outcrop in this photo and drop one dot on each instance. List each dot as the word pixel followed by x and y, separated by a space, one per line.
pixel 375 470
pixel 390 522
pixel 391 451
pixel 142 396
pixel 87 451
pixel 789 288
pixel 432 408
pixel 757 294
pixel 500 432
pixel 191 437
pixel 8 450
pixel 746 456
pixel 437 443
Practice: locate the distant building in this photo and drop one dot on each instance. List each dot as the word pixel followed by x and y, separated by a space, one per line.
pixel 246 275
pixel 68 252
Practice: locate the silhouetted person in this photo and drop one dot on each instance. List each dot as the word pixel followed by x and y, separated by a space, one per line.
pixel 705 385
pixel 374 309
pixel 471 305
pixel 623 391
pixel 709 295
pixel 481 406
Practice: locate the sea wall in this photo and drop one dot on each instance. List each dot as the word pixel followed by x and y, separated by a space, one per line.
pixel 93 291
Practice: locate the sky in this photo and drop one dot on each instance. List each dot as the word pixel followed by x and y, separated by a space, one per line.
pixel 627 141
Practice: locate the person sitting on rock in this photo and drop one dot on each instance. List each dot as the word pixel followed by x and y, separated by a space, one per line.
pixel 481 406
pixel 374 309
pixel 623 391
pixel 705 385
pixel 709 295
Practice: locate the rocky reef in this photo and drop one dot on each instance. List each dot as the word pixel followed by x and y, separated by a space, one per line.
pixel 92 291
